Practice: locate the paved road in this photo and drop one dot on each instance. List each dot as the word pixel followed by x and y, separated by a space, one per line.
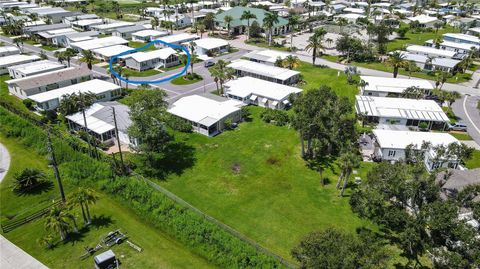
pixel 11 256
pixel 466 110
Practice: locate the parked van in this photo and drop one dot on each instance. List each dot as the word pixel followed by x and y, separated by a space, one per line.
pixel 458 127
pixel 209 63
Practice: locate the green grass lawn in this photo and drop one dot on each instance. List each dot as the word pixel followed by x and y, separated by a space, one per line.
pixel 474 162
pixel 49 48
pixel 315 76
pixel 144 73
pixel 183 81
pixel 159 250
pixel 261 42
pixel 418 38
pixel 254 180
pixel 136 44
pixel 461 136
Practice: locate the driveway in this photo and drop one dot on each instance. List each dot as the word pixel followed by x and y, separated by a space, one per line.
pixel 466 110
pixel 11 256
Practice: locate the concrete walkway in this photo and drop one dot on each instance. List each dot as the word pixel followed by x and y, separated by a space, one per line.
pixel 11 256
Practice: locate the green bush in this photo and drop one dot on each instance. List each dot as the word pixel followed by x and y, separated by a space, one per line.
pixel 276 117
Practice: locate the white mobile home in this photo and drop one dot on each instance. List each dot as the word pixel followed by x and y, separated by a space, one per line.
pixel 33 68
pixel 266 56
pixel 392 145
pixel 126 32
pixel 425 21
pixel 462 38
pixel 25 87
pixel 401 111
pixel 431 52
pixel 161 58
pixel 12 60
pixel 104 90
pixel 9 50
pixel 177 39
pixel 207 115
pixel 108 52
pixel 425 63
pixel 85 25
pixel 210 46
pixel 100 122
pixel 266 72
pixel 148 35
pixel 109 28
pixel 461 48
pixel 383 87
pixel 66 39
pixel 98 43
pixel 49 36
pixel 260 92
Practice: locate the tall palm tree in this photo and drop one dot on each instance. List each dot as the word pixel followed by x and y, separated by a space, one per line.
pixel 221 74
pixel 348 161
pixel 291 62
pixel 83 197
pixel 201 29
pixel 315 45
pixel 269 22
pixel 57 220
pixel 293 22
pixel 60 55
pixel 228 20
pixel 397 61
pixel 329 42
pixel 248 15
pixel 88 58
pixel 155 22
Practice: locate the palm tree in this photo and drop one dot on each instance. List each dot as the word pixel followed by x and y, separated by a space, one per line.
pixel 57 220
pixel 88 58
pixel 291 62
pixel 329 42
pixel 27 179
pixel 155 22
pixel 60 55
pixel 348 160
pixel 228 20
pixel 83 197
pixel 362 84
pixel 248 15
pixel 315 45
pixel 396 60
pixel 293 21
pixel 269 22
pixel 440 78
pixel 201 29
pixel 221 74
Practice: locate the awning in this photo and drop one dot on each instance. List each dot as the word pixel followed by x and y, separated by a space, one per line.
pixel 253 97
pixel 286 101
pixel 264 100
pixel 274 103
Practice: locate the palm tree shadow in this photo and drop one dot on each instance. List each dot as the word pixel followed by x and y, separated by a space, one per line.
pixel 42 187
pixel 101 221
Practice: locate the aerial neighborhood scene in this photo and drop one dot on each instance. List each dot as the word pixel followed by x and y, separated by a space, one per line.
pixel 339 134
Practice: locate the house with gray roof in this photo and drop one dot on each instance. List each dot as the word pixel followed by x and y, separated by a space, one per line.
pixel 126 32
pixel 454 181
pixel 31 30
pixel 100 122
pixel 31 85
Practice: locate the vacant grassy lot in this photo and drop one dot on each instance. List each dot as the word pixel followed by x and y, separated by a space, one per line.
pixel 314 76
pixel 254 180
pixel 418 38
pixel 159 250
pixel 136 44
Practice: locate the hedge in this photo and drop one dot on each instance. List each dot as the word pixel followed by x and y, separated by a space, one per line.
pixel 204 237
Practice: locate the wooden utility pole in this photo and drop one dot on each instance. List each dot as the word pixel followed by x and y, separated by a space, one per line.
pixel 54 164
pixel 118 139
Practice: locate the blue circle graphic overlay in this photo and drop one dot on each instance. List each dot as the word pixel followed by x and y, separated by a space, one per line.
pixel 113 58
